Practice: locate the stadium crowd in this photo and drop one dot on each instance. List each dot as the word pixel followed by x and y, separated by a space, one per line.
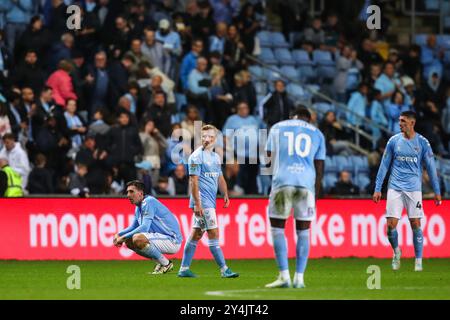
pixel 84 111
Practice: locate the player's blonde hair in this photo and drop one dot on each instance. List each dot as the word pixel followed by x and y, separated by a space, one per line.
pixel 209 127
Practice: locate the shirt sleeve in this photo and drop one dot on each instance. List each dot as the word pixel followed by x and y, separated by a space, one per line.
pixel 133 226
pixel 321 151
pixel 384 166
pixel 148 213
pixel 194 166
pixel 430 164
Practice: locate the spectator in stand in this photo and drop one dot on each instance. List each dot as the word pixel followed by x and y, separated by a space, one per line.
pixel 41 179
pixel 123 146
pixel 188 124
pixel 408 91
pixel 278 105
pixel 57 20
pixel 161 113
pixel 16 156
pixel 332 31
pixel 244 90
pixel 133 96
pixel 61 83
pixel 179 181
pixel 374 74
pixel 29 73
pixel 411 65
pixel 5 126
pixel 118 75
pixel 394 109
pixel 431 56
pixel 335 136
pixel 119 40
pixel 217 41
pixel 203 24
pixel 315 34
pixel 10 181
pixel 97 84
pixel 28 105
pixel 344 186
pixel 35 38
pixel 18 15
pixel 358 105
pixel 342 82
pixel 45 106
pixel 78 185
pixel 154 51
pixel 369 56
pixel 95 160
pixel 6 60
pixel 248 27
pixel 225 10
pixel 62 50
pixel 233 53
pixel 154 146
pixel 434 88
pixel 221 96
pixel 17 115
pixel 190 62
pixel 199 82
pixel 231 174
pixel 87 36
pixel 172 44
pixel 377 115
pixel 386 83
pixel 162 188
pixel 244 125
pixel 136 52
pixel 76 127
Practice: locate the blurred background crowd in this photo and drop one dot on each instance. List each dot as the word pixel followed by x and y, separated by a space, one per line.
pixel 84 111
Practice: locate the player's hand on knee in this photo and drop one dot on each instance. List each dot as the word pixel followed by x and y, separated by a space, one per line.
pixel 438 199
pixel 198 211
pixel 376 197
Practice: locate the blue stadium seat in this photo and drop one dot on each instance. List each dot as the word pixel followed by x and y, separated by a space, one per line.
pixel 267 56
pixel 296 92
pixel 180 101
pixel 278 41
pixel 272 74
pixel 447 186
pixel 260 87
pixel 421 39
pixel 322 107
pixel 343 163
pixel 329 181
pixel 330 165
pixel 284 57
pixel 264 38
pixel 360 164
pixel 290 72
pixel 443 40
pixel 307 74
pixel 444 166
pixel 302 58
pixel 295 37
pixel 362 181
pixel 325 65
pixel 257 72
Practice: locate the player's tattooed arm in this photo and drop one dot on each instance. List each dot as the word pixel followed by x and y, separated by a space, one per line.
pixel 319 165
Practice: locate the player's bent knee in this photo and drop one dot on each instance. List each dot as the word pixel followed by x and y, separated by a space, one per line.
pixel 415 223
pixel 139 241
pixel 213 234
pixel 196 234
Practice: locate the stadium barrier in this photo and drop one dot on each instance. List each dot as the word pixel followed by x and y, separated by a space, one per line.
pixel 83 229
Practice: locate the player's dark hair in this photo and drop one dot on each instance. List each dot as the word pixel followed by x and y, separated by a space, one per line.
pixel 301 112
pixel 9 136
pixel 409 114
pixel 136 183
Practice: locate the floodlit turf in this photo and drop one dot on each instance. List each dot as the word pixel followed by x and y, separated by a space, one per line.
pixel 325 279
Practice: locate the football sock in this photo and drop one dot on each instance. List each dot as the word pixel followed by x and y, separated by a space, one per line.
pixel 393 238
pixel 216 252
pixel 418 242
pixel 188 254
pixel 302 250
pixel 150 251
pixel 280 247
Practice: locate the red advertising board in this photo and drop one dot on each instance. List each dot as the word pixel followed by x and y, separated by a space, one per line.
pixel 82 229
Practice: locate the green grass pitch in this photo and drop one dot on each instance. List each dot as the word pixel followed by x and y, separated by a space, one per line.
pixel 325 279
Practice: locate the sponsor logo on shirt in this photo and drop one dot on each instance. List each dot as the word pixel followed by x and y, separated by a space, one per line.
pixel 296 168
pixel 407 159
pixel 212 174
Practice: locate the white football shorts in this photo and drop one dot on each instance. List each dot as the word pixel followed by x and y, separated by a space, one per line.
pixel 397 200
pixel 302 200
pixel 164 243
pixel 207 222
